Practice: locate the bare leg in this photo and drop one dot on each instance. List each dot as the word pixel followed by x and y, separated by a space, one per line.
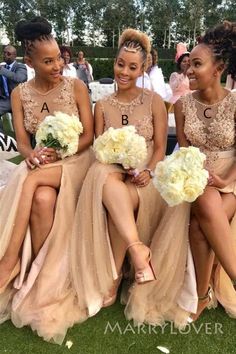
pixel 41 177
pixel 117 198
pixel 42 215
pixel 214 223
pixel 203 255
pixel 118 244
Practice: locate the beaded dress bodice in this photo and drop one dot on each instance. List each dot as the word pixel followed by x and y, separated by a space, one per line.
pixel 138 112
pixel 38 105
pixel 210 127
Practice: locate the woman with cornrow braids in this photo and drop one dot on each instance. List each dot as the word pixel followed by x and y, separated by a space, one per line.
pixel 120 212
pixel 38 203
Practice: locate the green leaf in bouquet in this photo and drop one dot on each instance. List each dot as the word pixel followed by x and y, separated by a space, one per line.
pixel 52 142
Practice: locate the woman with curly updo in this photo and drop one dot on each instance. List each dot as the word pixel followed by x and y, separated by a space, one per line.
pixel 120 211
pixel 206 119
pixel 38 203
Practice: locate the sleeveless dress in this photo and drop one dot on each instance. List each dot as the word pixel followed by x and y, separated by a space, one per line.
pixel 41 296
pixel 212 130
pixel 93 267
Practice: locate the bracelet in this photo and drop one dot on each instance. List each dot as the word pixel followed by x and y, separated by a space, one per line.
pixel 151 173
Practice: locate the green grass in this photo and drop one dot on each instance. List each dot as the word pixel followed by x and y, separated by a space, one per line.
pixel 95 337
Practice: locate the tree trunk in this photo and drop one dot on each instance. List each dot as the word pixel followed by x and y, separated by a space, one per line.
pixel 169 38
pixel 164 41
pixel 194 34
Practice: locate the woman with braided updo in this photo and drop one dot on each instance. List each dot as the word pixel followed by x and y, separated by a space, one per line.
pixel 206 119
pixel 38 203
pixel 119 211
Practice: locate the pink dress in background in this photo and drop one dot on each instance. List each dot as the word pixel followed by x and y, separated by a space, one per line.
pixel 179 84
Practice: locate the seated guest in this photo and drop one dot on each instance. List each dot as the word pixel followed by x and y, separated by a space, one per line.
pixel 11 74
pixel 68 69
pixel 179 81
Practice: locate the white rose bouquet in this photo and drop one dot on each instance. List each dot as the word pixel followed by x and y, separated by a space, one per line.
pixel 60 131
pixel 181 176
pixel 122 146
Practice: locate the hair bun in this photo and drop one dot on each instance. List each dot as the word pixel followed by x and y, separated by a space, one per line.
pixel 30 30
pixel 131 34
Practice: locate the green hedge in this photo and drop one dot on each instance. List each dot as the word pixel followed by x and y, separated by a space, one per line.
pixel 168 67
pixel 104 68
pixel 108 52
pixel 102 52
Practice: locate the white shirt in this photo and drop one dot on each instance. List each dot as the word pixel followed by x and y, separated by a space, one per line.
pixel 158 83
pixel 144 81
pixel 69 70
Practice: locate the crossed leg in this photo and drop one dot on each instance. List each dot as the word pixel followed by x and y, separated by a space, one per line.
pixel 48 177
pixel 42 215
pixel 121 200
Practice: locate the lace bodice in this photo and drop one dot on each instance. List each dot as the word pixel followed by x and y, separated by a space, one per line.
pixel 214 130
pixel 37 105
pixel 138 112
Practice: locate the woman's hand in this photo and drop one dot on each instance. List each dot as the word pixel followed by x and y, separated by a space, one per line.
pixel 41 156
pixel 34 159
pixel 49 155
pixel 217 181
pixel 141 179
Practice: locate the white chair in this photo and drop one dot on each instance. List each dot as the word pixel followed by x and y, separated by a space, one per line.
pixel 8 147
pixel 99 91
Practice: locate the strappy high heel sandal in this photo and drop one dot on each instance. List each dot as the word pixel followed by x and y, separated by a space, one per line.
pixel 146 274
pixel 13 274
pixel 207 299
pixel 111 299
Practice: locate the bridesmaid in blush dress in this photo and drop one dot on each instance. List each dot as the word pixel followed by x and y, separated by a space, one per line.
pixel 206 119
pixel 34 261
pixel 119 212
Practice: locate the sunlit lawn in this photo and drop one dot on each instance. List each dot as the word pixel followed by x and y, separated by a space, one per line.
pixel 109 333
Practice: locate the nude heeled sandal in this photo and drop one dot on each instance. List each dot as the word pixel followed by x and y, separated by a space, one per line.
pixel 208 297
pixel 13 274
pixel 146 274
pixel 111 299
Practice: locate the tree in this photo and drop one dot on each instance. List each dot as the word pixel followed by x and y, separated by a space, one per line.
pixel 163 19
pixel 112 25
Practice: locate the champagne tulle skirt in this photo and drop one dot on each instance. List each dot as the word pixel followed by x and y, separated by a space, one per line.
pixel 162 228
pixel 41 295
pixel 222 285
